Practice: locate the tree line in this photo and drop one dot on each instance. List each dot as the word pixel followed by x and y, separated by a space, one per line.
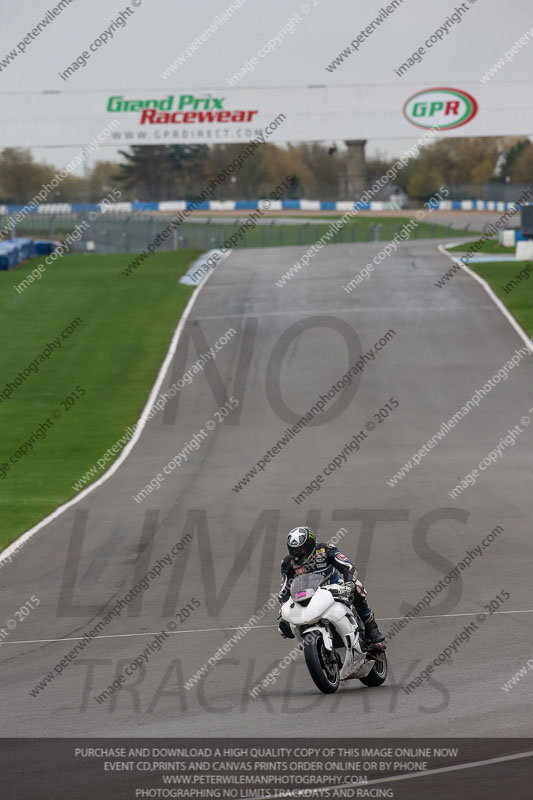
pixel 175 172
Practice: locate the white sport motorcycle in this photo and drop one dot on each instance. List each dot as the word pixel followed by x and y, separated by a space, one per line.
pixel 331 635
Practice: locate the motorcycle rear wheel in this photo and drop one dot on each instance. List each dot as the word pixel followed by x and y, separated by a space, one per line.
pixel 378 673
pixel 325 674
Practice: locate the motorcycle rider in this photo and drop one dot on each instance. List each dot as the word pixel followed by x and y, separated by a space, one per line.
pixel 306 555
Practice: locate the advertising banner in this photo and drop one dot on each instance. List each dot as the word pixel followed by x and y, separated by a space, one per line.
pixel 234 115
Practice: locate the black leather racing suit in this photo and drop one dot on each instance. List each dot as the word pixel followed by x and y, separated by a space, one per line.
pixel 333 564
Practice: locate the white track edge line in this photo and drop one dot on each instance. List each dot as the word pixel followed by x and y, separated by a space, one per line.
pixel 507 314
pixel 224 628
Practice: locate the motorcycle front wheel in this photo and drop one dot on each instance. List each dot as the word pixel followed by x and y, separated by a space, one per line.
pixel 322 665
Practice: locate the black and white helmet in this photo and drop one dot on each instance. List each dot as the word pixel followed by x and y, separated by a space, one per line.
pixel 301 543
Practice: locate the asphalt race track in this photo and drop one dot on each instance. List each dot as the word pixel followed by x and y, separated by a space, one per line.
pixel 293 344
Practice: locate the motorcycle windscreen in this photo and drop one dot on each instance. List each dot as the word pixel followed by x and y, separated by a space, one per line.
pixel 304 586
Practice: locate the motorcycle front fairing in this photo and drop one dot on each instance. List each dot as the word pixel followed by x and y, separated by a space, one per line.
pixel 321 605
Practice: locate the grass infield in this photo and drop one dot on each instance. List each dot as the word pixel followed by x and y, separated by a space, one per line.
pixel 518 297
pixel 487 246
pixel 358 229
pixel 113 354
pixel 271 232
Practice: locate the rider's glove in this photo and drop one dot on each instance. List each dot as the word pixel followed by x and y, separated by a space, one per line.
pixel 284 628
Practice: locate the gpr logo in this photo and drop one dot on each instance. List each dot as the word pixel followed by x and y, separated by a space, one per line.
pixel 441 108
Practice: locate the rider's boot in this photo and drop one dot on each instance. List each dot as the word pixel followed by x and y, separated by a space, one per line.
pixel 372 632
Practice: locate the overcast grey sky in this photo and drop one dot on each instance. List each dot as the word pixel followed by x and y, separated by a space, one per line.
pixel 158 31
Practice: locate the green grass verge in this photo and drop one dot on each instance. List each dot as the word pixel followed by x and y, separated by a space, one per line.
pixel 205 235
pixel 519 297
pixel 487 246
pixel 114 354
pixel 361 229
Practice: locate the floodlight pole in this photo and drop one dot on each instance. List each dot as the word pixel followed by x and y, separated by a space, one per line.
pixel 356 168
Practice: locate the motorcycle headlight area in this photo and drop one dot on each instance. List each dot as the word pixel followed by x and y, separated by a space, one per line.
pixel 304 596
